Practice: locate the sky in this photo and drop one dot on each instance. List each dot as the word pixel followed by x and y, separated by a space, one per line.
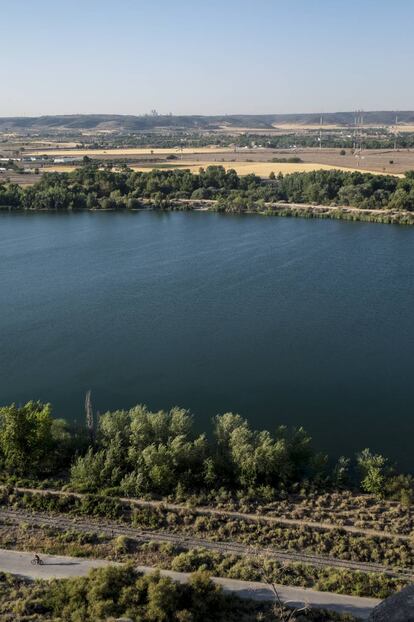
pixel 205 57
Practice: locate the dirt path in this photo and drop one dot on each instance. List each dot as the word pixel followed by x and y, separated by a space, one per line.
pixel 206 204
pixel 262 518
pixel 61 567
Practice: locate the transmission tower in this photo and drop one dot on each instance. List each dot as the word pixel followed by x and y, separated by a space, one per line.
pixel 395 132
pixel 320 132
pixel 358 134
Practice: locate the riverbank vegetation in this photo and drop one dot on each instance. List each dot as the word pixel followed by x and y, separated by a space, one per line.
pixel 136 452
pixel 93 187
pixel 254 478
pixel 252 488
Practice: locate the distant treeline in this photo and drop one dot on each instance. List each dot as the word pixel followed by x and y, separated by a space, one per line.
pixel 177 139
pixel 91 187
pixel 332 139
pixel 136 452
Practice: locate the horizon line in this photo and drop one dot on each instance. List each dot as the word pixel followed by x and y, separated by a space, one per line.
pixel 231 114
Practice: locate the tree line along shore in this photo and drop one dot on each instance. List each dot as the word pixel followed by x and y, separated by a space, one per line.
pixel 154 472
pixel 316 194
pixel 137 452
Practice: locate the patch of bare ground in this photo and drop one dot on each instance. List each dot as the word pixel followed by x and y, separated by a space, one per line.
pixel 25 179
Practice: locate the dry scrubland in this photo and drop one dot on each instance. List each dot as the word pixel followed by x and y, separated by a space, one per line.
pixel 167 556
pixel 225 541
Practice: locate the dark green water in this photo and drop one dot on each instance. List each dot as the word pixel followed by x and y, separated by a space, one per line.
pixel 282 320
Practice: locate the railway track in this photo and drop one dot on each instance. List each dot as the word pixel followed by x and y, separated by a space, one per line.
pixel 113 529
pixel 232 514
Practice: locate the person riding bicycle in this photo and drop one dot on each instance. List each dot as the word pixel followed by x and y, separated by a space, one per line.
pixel 37 559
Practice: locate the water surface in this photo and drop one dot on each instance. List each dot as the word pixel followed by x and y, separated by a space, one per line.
pixel 283 320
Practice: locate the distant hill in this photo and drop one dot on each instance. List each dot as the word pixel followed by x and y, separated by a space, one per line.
pixel 149 122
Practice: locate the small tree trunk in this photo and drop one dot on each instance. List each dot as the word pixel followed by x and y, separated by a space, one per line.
pixel 90 420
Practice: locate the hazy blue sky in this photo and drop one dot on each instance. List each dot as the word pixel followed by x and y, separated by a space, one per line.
pixel 215 56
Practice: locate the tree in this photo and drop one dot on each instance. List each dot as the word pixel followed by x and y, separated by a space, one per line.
pixel 90 419
pixel 251 458
pixel 341 471
pixel 372 468
pixel 26 438
pixel 143 452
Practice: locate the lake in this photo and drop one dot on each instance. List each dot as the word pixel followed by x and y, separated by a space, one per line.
pixel 285 321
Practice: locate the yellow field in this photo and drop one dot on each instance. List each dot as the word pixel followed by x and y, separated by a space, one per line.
pixel 263 169
pixel 310 126
pixel 59 168
pixel 403 128
pixel 316 126
pixel 133 151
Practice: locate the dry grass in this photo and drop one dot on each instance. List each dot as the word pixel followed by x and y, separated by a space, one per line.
pixel 263 169
pixel 309 126
pixel 59 168
pixel 329 126
pixel 258 160
pixel 405 128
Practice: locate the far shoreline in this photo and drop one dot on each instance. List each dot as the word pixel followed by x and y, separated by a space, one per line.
pixel 288 210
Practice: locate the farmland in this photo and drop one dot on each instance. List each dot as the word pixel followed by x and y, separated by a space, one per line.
pixel 262 169
pixel 260 146
pixel 243 160
pixel 260 161
pixel 128 151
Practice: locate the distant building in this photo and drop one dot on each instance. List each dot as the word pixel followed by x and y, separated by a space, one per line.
pixel 66 160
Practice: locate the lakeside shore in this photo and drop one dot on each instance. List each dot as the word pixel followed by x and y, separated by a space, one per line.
pixel 296 210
